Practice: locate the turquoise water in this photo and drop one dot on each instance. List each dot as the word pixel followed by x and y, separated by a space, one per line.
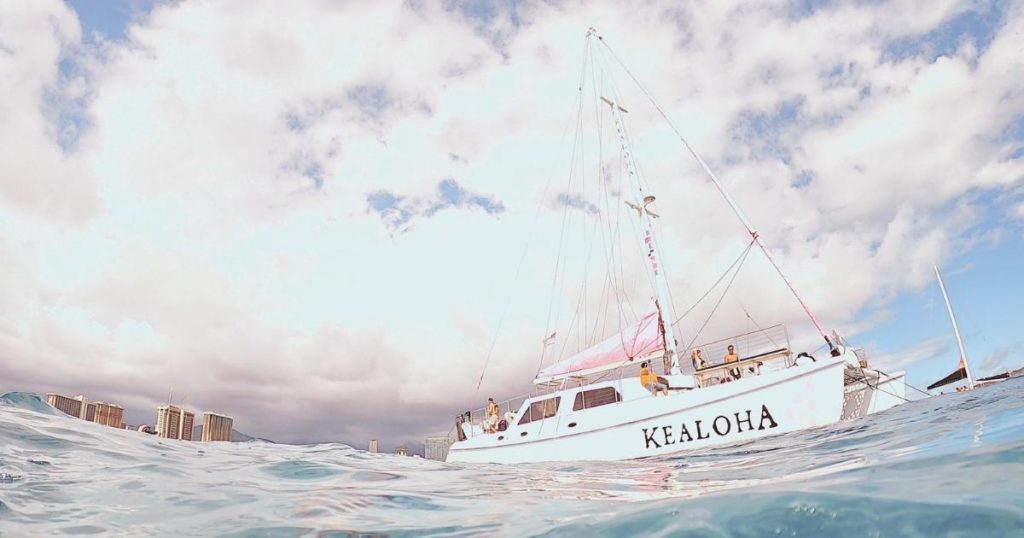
pixel 952 465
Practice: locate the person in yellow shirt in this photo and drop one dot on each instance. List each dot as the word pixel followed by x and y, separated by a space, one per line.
pixel 650 381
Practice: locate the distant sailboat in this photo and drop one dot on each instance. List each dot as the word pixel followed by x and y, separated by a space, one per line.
pixel 963 370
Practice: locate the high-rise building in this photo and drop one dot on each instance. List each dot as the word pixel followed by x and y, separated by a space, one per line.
pixel 217 427
pixel 374 446
pixel 168 421
pixel 88 412
pixel 84 413
pixel 108 414
pixel 173 422
pixel 186 424
pixel 68 406
pixel 88 409
pixel 436 448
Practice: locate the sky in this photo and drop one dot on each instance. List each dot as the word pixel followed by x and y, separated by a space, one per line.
pixel 329 219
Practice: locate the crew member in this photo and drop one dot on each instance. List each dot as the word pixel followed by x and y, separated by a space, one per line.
pixel 650 381
pixel 491 417
pixel 732 356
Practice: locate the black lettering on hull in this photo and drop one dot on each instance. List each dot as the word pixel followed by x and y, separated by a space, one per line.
pixel 721 426
pixel 765 415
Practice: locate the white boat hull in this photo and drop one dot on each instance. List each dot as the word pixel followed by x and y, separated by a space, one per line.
pixel 775 402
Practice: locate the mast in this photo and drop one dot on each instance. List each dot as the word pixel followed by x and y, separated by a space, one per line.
pixel 956 330
pixel 650 244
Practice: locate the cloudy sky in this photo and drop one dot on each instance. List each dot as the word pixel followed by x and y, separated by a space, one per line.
pixel 316 217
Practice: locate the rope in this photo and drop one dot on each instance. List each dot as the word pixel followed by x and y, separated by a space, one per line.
pixel 526 248
pixel 721 189
pixel 717 282
pixel 726 290
pixel 756 324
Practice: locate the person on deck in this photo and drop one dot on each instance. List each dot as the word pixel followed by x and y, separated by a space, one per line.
pixel 491 417
pixel 650 381
pixel 699 363
pixel 732 356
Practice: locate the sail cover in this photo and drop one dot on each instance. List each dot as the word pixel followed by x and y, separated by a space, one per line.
pixel 640 339
pixel 1004 375
pixel 957 375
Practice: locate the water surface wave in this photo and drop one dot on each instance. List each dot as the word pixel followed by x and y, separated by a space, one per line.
pixel 946 466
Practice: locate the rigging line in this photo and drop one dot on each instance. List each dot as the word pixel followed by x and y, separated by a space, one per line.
pixel 583 219
pixel 565 213
pixel 522 258
pixel 599 323
pixel 619 235
pixel 558 264
pixel 581 299
pixel 515 278
pixel 904 382
pixel 721 189
pixel 724 292
pixel 610 237
pixel 641 175
pixel 580 306
pixel 864 378
pixel 641 179
pixel 641 251
pixel 715 285
pixel 754 321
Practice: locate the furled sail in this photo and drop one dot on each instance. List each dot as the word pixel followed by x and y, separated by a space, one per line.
pixel 638 340
pixel 997 377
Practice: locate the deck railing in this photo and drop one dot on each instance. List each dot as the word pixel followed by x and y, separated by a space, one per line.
pixel 770 344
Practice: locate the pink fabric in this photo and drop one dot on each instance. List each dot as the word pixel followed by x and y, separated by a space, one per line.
pixel 634 341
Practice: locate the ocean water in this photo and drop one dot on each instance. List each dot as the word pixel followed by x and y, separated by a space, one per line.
pixel 951 465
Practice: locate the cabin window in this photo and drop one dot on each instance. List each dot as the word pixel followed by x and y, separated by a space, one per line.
pixel 540 410
pixel 596 398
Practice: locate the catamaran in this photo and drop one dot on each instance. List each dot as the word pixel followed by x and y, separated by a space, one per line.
pixel 592 405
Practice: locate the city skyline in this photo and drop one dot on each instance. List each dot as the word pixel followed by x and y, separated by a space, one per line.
pixel 171 421
pixel 103 413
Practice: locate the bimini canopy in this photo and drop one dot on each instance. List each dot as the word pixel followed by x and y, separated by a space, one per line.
pixel 638 340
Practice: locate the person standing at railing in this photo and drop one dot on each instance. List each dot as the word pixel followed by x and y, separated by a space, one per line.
pixel 730 357
pixel 699 363
pixel 491 416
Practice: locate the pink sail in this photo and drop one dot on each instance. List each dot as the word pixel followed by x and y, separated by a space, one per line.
pixel 634 341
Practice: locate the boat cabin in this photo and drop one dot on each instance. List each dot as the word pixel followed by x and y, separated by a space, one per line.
pixel 571 397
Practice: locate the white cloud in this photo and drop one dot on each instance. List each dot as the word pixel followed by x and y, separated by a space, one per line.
pixel 1018 211
pixel 212 232
pixel 36 172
